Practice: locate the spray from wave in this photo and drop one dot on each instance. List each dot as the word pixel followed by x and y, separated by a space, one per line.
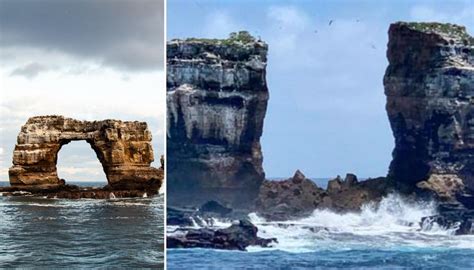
pixel 393 223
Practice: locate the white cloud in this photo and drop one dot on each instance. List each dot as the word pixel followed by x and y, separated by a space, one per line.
pixel 288 17
pixel 219 24
pixel 85 91
pixel 74 174
pixel 30 70
pixel 74 171
pixel 287 23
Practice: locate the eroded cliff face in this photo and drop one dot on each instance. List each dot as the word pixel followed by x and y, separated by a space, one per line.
pixel 123 148
pixel 217 99
pixel 429 85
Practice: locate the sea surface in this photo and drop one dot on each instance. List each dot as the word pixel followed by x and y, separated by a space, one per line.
pixel 385 237
pixel 60 233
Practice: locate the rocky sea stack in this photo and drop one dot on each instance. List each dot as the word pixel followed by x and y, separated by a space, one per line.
pixel 214 133
pixel 217 98
pixel 429 85
pixel 123 148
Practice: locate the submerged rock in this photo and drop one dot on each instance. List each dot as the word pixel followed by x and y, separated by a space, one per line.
pixel 217 98
pixel 429 85
pixel 236 237
pixel 123 148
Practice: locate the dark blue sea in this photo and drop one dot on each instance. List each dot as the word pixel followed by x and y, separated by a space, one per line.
pixel 59 233
pixel 388 236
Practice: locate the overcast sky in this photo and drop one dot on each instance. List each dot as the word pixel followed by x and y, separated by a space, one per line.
pixel 89 60
pixel 326 114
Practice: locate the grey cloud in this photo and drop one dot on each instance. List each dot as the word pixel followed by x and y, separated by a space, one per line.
pixel 29 71
pixel 124 34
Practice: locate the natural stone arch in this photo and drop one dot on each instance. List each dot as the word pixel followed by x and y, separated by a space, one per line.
pixel 123 148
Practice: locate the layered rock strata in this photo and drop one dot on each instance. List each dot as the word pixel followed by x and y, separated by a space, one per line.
pixel 429 85
pixel 123 148
pixel 217 98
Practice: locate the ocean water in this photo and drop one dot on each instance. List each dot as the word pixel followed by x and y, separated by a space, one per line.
pixel 384 237
pixel 60 233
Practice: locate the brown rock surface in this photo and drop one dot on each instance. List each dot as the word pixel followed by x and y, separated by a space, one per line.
pixel 296 196
pixel 299 196
pixel 123 148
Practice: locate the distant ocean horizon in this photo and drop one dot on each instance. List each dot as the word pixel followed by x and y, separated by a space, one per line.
pixel 320 181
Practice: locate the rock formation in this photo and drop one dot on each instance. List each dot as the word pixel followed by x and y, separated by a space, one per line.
pixel 459 222
pixel 238 236
pixel 123 148
pixel 217 99
pixel 298 196
pixel 294 197
pixel 429 85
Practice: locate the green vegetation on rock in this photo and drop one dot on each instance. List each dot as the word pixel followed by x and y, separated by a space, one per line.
pixel 243 37
pixel 451 30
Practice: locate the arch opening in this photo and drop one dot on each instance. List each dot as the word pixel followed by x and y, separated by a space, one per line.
pixel 77 163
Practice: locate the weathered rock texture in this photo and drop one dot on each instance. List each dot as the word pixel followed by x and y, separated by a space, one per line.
pixel 123 148
pixel 429 86
pixel 238 236
pixel 217 99
pixel 298 196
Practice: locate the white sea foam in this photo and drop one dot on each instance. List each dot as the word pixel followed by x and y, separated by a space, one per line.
pixel 394 223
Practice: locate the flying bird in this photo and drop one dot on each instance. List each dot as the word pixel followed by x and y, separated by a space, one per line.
pixel 373 46
pixel 331 21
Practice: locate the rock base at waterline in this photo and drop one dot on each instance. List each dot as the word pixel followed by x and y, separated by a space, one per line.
pixel 459 221
pixel 299 196
pixel 76 192
pixel 236 237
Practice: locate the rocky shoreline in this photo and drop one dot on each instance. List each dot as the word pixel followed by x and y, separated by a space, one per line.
pixel 238 236
pixel 79 192
pixel 429 85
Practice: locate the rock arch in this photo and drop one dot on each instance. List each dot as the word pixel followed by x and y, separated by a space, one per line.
pixel 123 148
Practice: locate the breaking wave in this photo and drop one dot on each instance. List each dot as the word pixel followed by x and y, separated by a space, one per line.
pixel 393 223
